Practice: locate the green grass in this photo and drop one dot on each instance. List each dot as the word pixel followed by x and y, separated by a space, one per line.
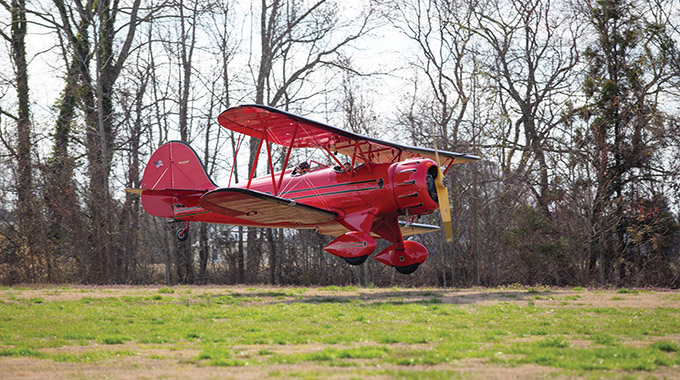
pixel 114 339
pixel 288 326
pixel 339 288
pixel 607 358
pixel 604 339
pixel 81 357
pixel 666 346
pixel 571 298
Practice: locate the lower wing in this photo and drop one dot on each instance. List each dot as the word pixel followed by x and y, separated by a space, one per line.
pixel 406 229
pixel 262 208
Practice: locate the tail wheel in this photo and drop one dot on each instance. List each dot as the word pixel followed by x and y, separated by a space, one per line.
pixel 407 269
pixel 356 260
pixel 182 234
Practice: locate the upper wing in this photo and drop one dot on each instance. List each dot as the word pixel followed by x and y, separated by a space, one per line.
pixel 294 131
pixel 263 208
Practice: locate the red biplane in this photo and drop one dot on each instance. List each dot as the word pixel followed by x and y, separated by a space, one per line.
pixel 356 201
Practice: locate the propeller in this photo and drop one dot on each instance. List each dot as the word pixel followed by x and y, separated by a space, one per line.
pixel 443 197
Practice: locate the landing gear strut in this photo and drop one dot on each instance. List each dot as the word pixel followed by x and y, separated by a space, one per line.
pixel 183 233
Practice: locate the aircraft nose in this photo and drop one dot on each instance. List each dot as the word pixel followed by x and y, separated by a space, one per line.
pixel 415 186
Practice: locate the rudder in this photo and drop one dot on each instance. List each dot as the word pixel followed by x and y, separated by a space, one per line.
pixel 172 170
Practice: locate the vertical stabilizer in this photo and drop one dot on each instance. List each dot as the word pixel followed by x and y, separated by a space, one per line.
pixel 173 170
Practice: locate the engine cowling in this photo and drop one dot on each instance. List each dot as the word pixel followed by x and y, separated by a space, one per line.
pixel 414 187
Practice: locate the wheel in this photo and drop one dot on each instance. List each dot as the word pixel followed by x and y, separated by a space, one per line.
pixel 182 234
pixel 356 260
pixel 407 269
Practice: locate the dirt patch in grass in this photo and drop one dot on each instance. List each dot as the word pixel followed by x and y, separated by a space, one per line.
pixel 642 300
pixel 479 368
pixel 649 340
pixel 563 298
pixel 141 350
pixel 141 367
pixel 268 295
pixel 123 369
pixel 544 298
pixel 77 293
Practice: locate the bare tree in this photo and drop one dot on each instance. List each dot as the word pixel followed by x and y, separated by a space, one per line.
pixel 221 29
pixel 439 30
pixel 27 210
pixel 439 106
pixel 97 80
pixel 532 51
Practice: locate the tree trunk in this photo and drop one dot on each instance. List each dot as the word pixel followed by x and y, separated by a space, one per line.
pixel 26 214
pixel 272 255
pixel 66 226
pixel 203 254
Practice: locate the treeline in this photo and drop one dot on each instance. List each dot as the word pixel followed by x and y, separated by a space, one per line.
pixel 573 105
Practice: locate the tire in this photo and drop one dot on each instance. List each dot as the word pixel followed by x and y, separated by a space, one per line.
pixel 407 269
pixel 182 234
pixel 356 260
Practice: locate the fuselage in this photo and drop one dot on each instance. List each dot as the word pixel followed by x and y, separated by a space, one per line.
pixel 385 189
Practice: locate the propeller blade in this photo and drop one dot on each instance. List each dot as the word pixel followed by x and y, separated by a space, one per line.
pixel 443 197
pixel 444 207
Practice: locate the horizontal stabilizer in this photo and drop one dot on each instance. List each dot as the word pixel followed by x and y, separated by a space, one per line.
pixel 263 208
pixel 166 192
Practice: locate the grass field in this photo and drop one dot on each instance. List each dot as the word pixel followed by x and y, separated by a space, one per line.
pixel 333 332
